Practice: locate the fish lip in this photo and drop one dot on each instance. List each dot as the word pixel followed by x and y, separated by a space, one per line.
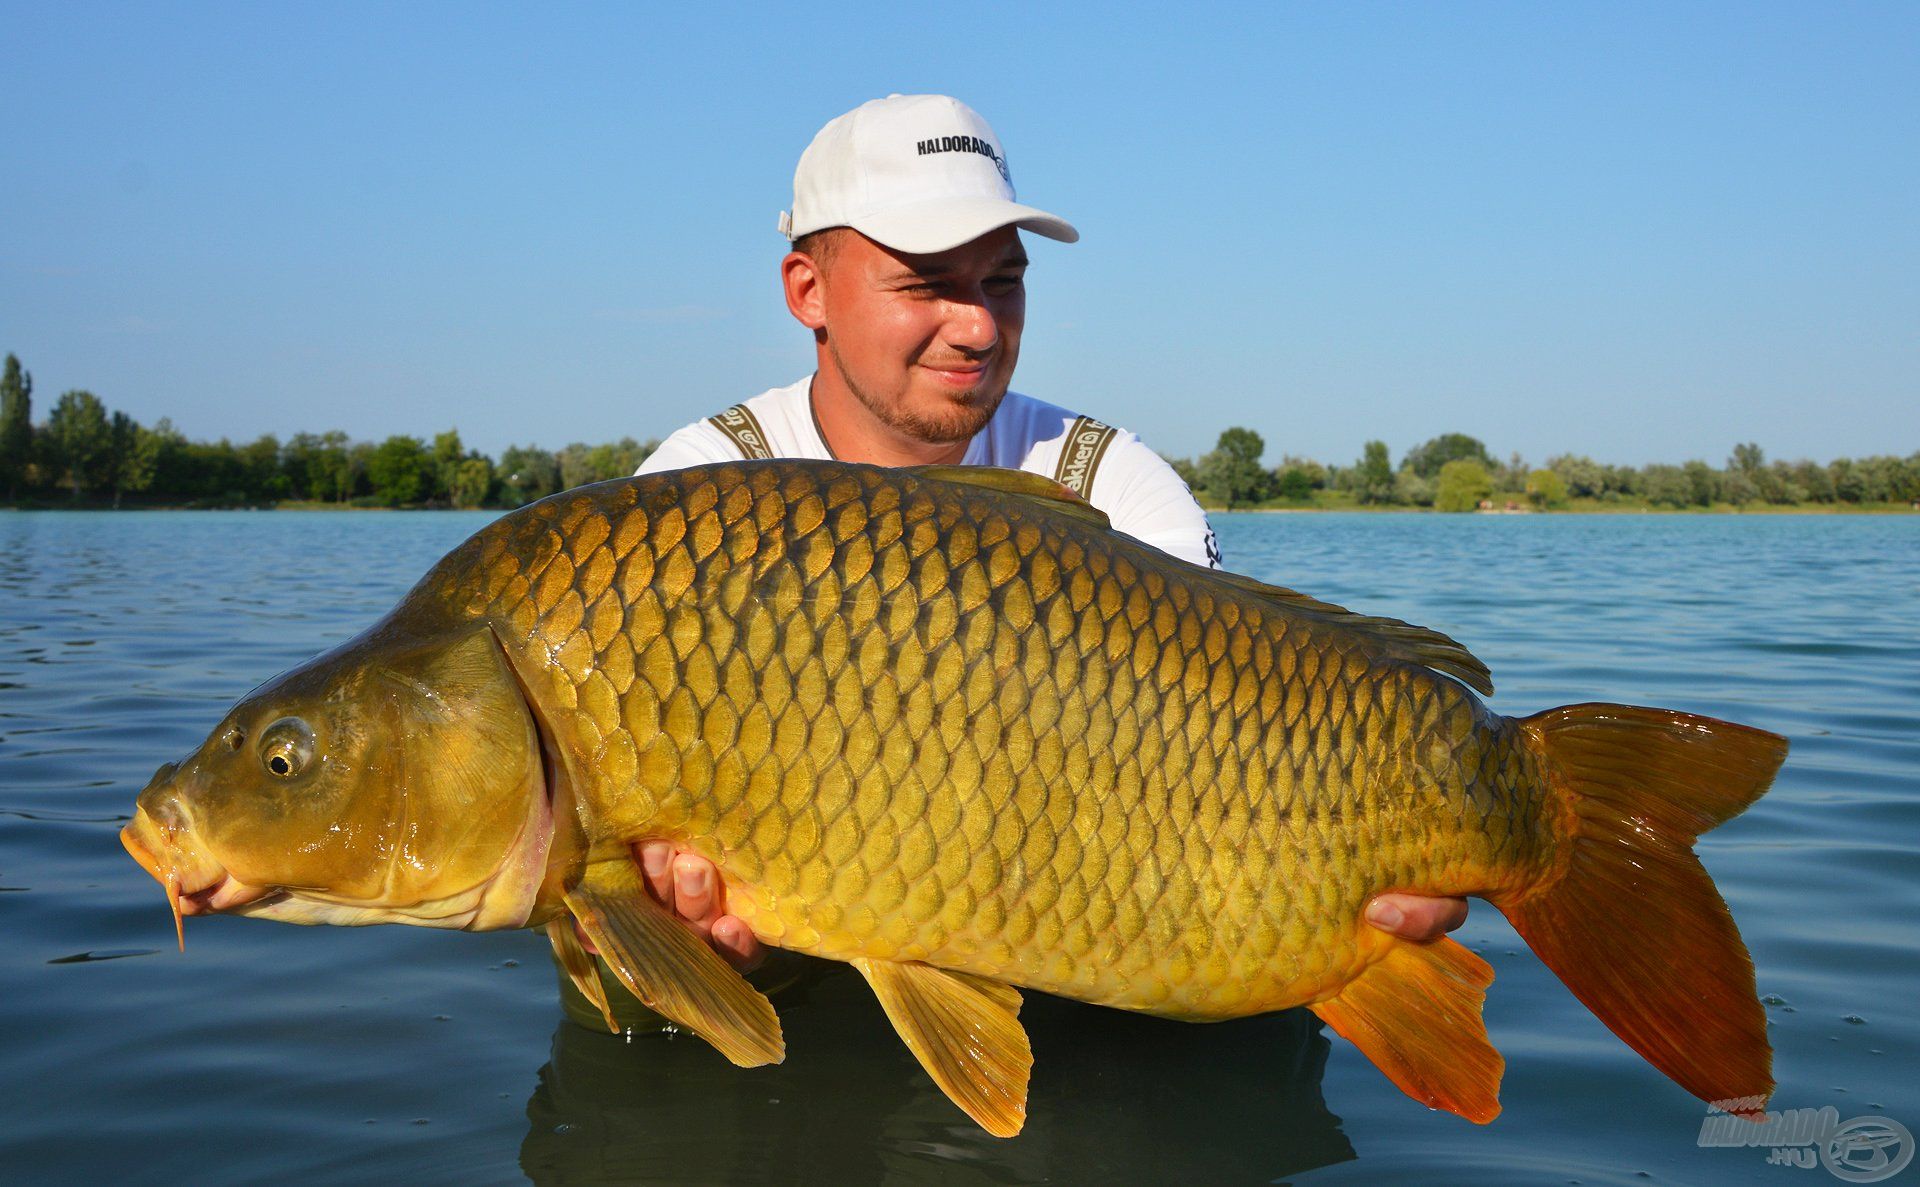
pixel 225 894
pixel 213 891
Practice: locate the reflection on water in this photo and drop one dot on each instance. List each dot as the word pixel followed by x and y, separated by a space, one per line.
pixel 107 954
pixel 271 1053
pixel 1113 1099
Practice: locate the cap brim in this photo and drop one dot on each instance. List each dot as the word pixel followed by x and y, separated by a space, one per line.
pixel 928 227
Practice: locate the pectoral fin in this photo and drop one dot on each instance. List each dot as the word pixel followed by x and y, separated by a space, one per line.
pixel 670 968
pixel 965 1032
pixel 1416 1015
pixel 578 963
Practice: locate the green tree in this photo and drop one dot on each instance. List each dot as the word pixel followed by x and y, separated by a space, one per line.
pixel 1463 483
pixel 1584 477
pixel 1848 485
pixel 16 425
pixel 472 481
pixel 80 441
pixel 576 465
pixel 1233 471
pixel 527 473
pixel 1703 483
pixel 1666 486
pixel 1747 459
pixel 1295 483
pixel 142 465
pixel 1411 490
pixel 262 476
pixel 171 470
pixel 448 453
pixel 399 470
pixel 330 469
pixel 1513 476
pixel 133 454
pixel 1428 458
pixel 302 466
pixel 1889 479
pixel 360 470
pixel 1903 478
pixel 1373 474
pixel 1546 489
pixel 1735 488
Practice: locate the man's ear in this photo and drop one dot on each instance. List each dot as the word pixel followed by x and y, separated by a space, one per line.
pixel 805 285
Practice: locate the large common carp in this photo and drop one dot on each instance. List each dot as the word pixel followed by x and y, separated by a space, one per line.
pixel 946 725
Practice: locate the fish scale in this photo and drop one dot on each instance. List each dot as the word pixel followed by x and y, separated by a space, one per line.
pixel 834 688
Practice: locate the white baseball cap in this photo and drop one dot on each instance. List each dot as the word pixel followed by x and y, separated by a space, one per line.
pixel 917 173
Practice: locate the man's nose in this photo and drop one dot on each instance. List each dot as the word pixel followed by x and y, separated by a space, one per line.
pixel 971 326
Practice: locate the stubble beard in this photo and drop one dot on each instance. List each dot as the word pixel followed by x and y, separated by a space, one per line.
pixel 968 412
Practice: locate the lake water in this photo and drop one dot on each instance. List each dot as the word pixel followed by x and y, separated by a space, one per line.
pixel 270 1053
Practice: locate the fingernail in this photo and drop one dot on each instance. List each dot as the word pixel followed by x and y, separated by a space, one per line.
pixel 654 858
pixel 1384 915
pixel 692 881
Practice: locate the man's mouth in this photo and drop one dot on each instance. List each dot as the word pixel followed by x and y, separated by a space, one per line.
pixel 957 374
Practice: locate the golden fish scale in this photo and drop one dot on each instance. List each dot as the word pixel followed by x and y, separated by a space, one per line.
pixel 930 721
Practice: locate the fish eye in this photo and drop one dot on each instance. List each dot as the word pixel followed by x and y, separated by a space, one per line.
pixel 286 747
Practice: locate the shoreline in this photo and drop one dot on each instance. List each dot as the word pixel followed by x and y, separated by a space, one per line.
pixel 1598 509
pixel 1589 507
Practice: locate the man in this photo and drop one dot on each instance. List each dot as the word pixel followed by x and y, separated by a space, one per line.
pixel 907 266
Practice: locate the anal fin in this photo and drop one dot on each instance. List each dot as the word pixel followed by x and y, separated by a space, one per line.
pixel 965 1032
pixel 578 963
pixel 1416 1015
pixel 666 965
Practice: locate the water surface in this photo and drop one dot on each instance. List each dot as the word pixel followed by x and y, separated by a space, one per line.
pixel 405 1055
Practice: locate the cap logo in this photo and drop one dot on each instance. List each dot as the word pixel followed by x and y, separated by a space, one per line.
pixel 971 144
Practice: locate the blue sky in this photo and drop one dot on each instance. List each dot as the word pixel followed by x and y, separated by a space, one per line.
pixel 1639 231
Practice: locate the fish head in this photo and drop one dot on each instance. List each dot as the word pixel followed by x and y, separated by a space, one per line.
pixel 389 781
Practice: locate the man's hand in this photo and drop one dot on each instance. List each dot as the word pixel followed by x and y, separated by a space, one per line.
pixel 689 886
pixel 1416 917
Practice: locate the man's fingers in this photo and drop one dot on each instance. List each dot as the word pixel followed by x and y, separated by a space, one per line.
pixel 735 941
pixel 1417 917
pixel 689 886
pixel 694 899
pixel 655 859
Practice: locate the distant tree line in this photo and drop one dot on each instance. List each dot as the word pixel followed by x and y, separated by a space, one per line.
pixel 82 452
pixel 1455 472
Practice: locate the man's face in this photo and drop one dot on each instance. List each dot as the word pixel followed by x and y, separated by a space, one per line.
pixel 926 343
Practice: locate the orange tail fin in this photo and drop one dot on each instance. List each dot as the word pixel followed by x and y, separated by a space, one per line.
pixel 1632 923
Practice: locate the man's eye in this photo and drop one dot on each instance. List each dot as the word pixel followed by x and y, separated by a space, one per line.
pixel 1003 284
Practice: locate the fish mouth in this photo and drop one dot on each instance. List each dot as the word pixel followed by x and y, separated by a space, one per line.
pixel 195 883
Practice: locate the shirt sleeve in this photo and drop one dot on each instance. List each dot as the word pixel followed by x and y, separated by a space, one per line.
pixel 698 444
pixel 1152 504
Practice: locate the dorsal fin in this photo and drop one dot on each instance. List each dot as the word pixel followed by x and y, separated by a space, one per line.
pixel 1419 644
pixel 1018 482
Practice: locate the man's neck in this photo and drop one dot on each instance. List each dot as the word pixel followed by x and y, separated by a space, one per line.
pixel 855 434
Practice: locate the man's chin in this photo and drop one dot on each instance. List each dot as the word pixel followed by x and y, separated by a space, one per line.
pixel 952 416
